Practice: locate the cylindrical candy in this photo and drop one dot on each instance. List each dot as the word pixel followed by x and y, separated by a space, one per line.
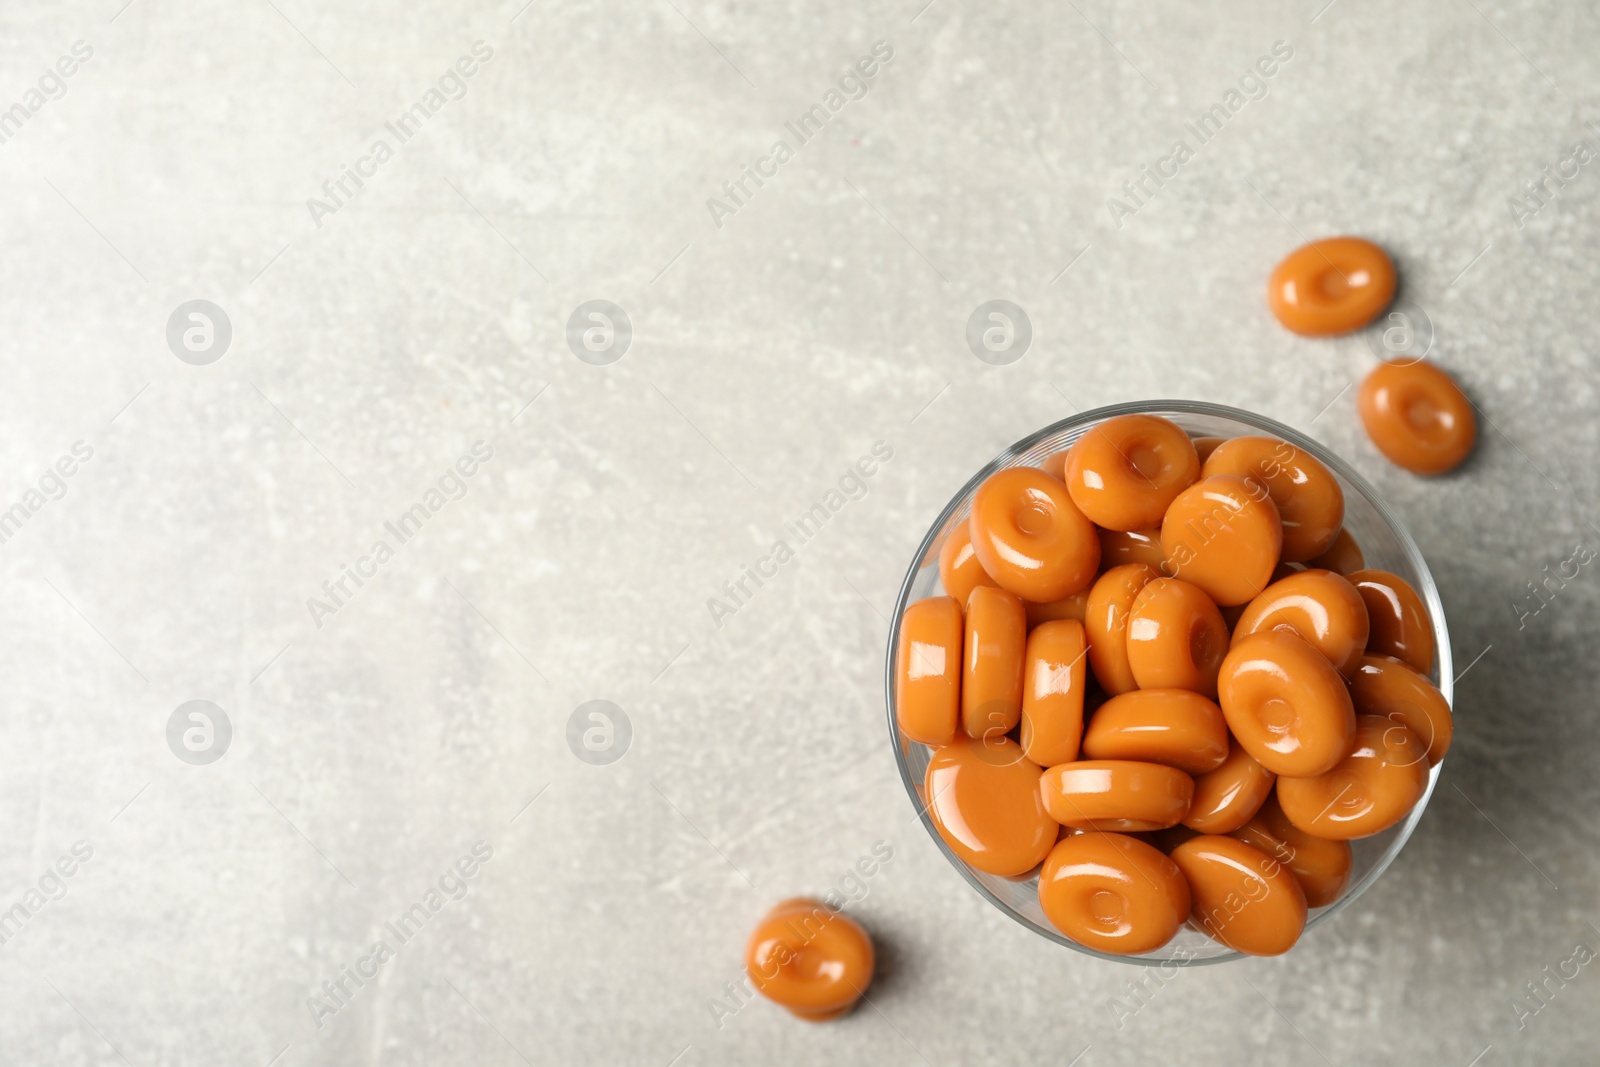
pixel 1176 638
pixel 1286 704
pixel 1054 677
pixel 928 671
pixel 1176 727
pixel 1228 797
pixel 1113 893
pixel 991 677
pixel 1105 619
pixel 1116 795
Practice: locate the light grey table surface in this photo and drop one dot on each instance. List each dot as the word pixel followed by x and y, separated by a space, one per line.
pixel 378 733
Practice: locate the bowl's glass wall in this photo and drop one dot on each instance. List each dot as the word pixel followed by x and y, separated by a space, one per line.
pixel 1384 543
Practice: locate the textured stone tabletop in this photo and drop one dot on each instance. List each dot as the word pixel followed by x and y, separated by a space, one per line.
pixel 309 413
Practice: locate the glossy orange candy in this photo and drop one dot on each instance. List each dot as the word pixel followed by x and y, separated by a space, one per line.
pixel 812 960
pixel 1176 637
pixel 1368 791
pixel 1241 896
pixel 1131 546
pixel 1286 704
pixel 1332 286
pixel 1321 867
pixel 1116 795
pixel 1124 472
pixel 984 799
pixel 1176 727
pixel 991 676
pixel 1418 417
pixel 1342 557
pixel 1228 797
pixel 1400 626
pixel 1321 607
pixel 1071 607
pixel 1054 678
pixel 1306 494
pixel 1224 535
pixel 1113 893
pixel 928 671
pixel 1389 687
pixel 959 569
pixel 1030 537
pixel 1105 618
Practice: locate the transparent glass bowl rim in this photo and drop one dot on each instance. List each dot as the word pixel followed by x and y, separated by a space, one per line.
pixel 1426 588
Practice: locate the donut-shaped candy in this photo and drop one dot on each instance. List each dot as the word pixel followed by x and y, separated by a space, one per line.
pixel 1124 472
pixel 1368 791
pixel 1105 619
pixel 1241 896
pixel 1176 727
pixel 1054 676
pixel 1286 704
pixel 1400 626
pixel 1228 797
pixel 991 674
pixel 1321 607
pixel 1332 286
pixel 1418 417
pixel 1030 537
pixel 1113 893
pixel 813 960
pixel 1388 687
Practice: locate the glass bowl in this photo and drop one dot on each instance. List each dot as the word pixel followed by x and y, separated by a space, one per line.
pixel 1385 544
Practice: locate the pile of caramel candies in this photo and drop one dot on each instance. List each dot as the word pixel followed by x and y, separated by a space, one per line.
pixel 1162 680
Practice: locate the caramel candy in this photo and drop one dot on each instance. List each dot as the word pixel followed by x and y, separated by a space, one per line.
pixel 1286 704
pixel 1176 727
pixel 1342 557
pixel 1368 791
pixel 1331 286
pixel 1400 625
pixel 812 960
pixel 1176 637
pixel 1228 797
pixel 1319 606
pixel 984 799
pixel 991 677
pixel 1241 896
pixel 1131 546
pixel 1321 867
pixel 959 569
pixel 1390 688
pixel 1030 537
pixel 928 671
pixel 1054 677
pixel 1306 494
pixel 1418 417
pixel 1072 607
pixel 1105 619
pixel 1124 472
pixel 1116 795
pixel 1113 893
pixel 1224 535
